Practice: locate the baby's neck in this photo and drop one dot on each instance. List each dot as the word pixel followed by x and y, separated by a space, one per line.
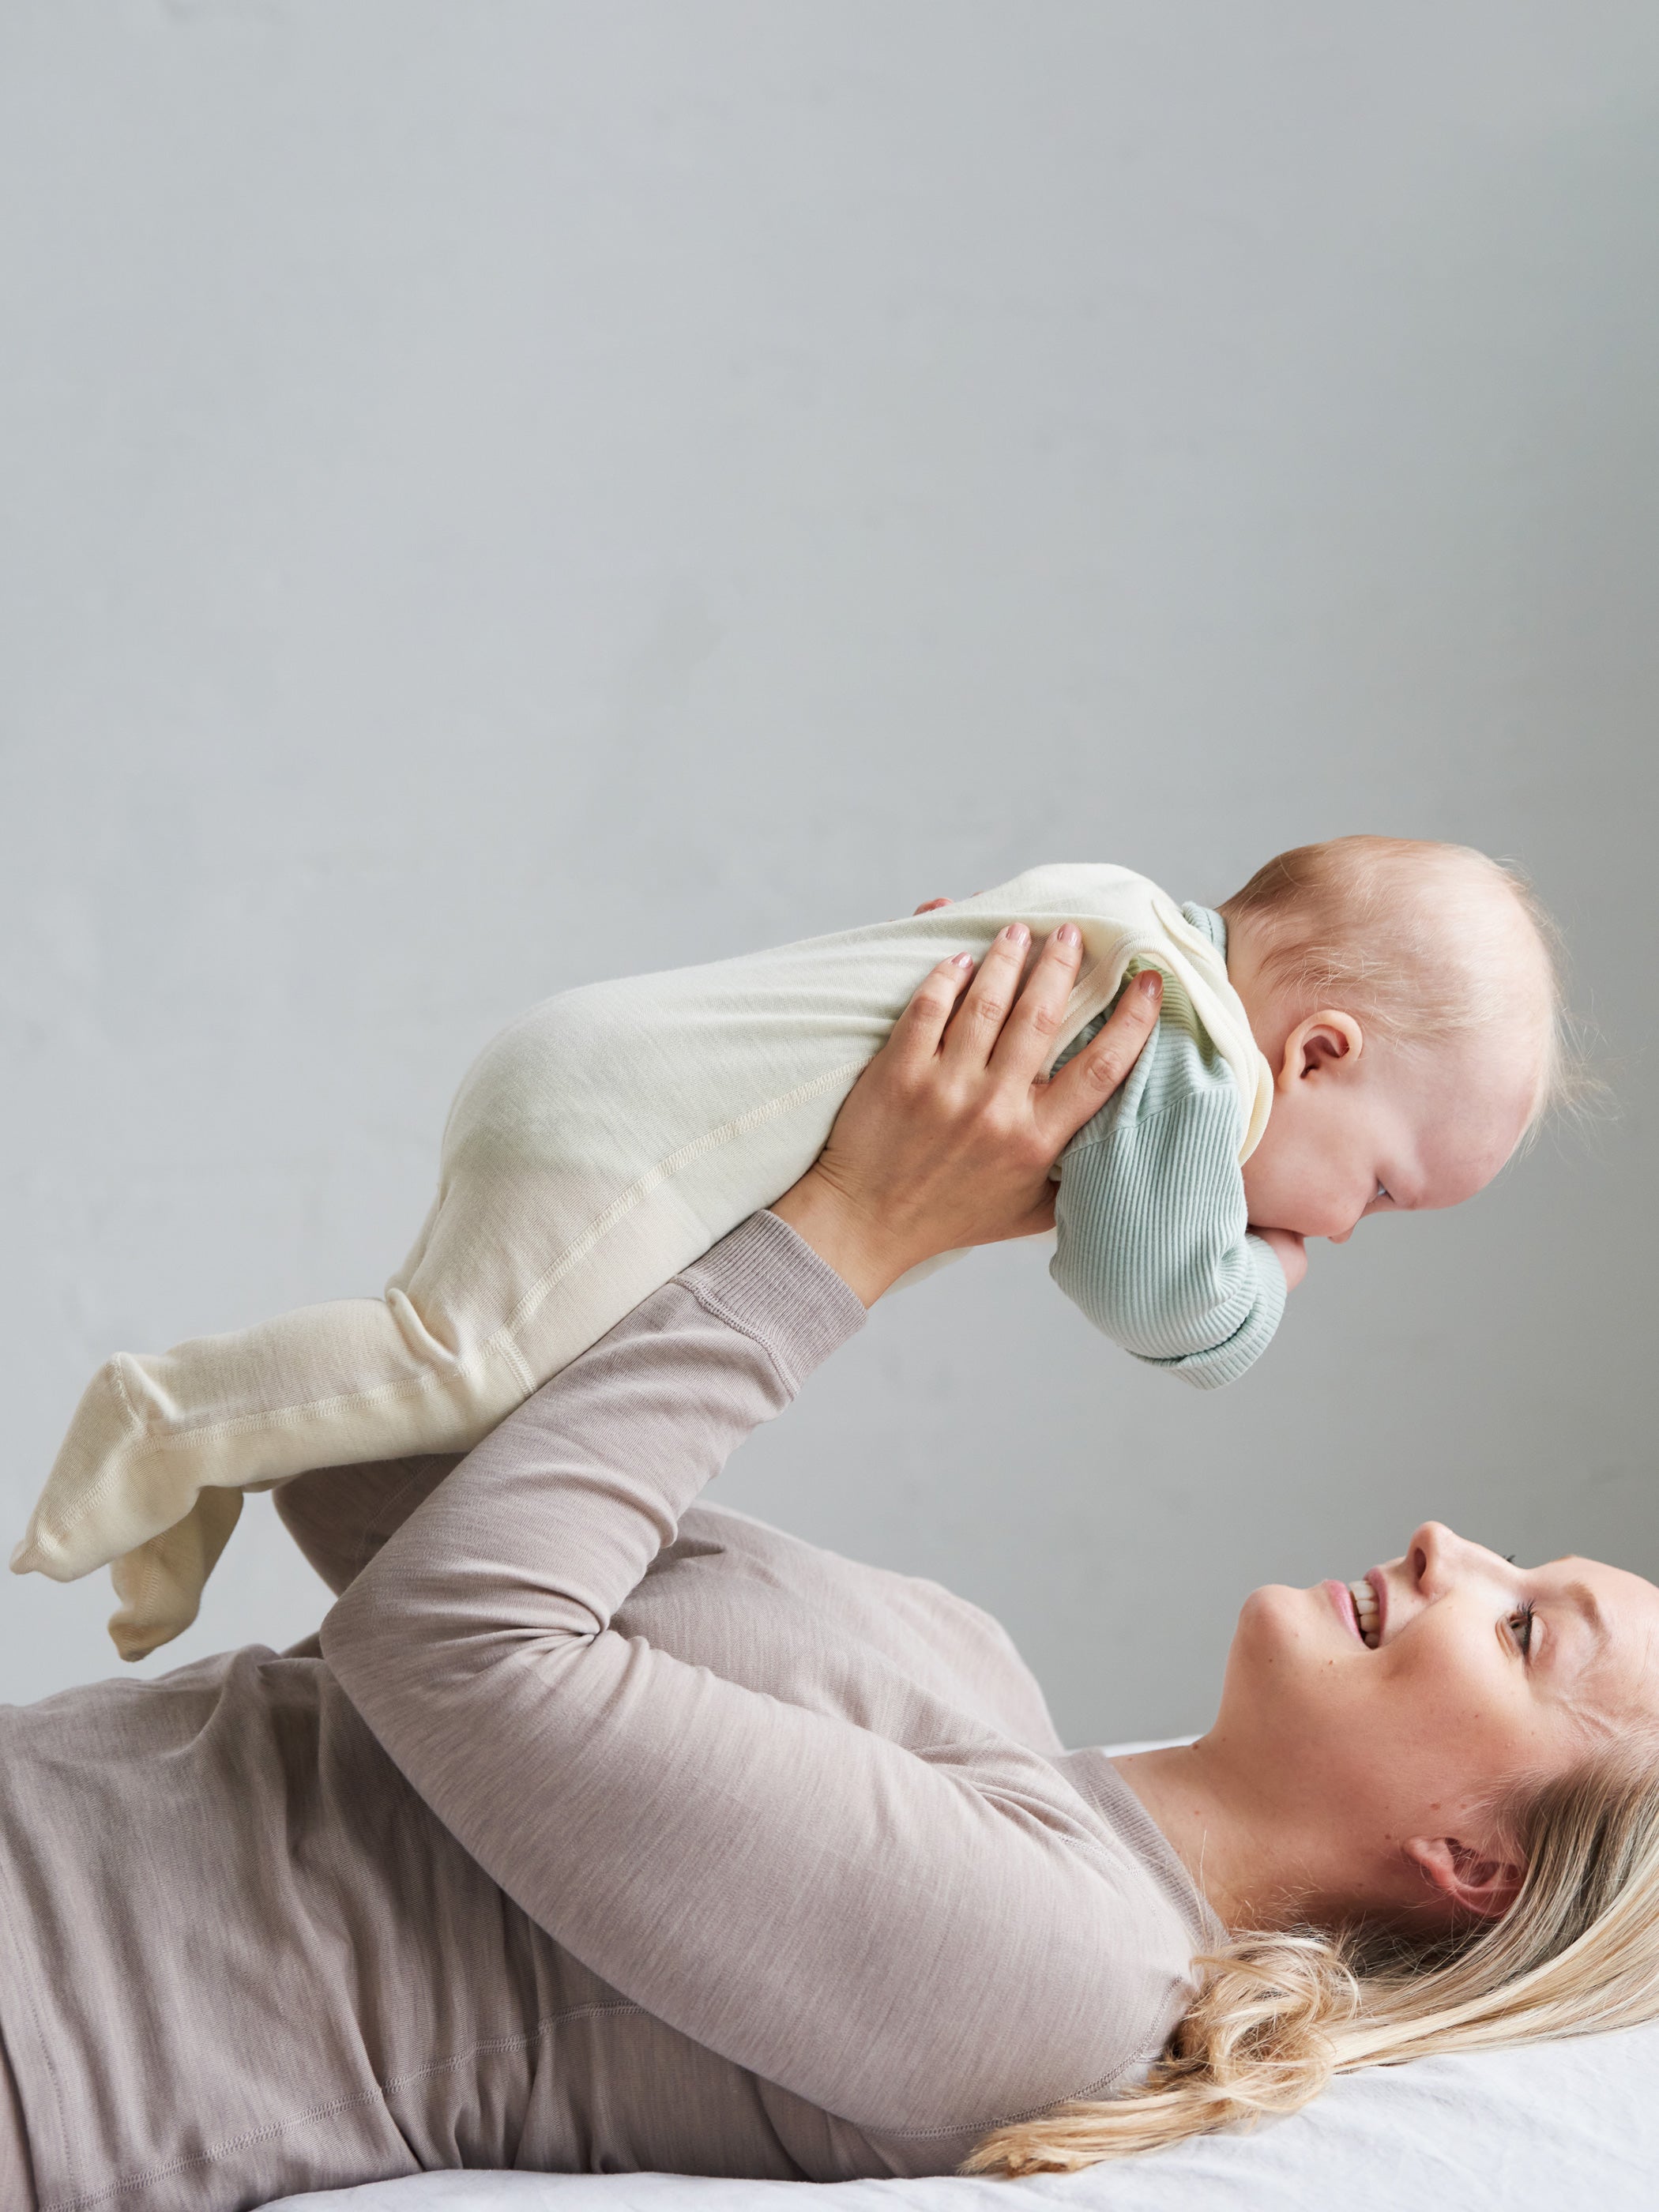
pixel 1244 973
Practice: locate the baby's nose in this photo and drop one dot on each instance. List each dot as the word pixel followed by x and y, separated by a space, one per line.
pixel 1342 1236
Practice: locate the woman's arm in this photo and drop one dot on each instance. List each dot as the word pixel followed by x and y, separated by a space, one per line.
pixel 339 1516
pixel 911 1939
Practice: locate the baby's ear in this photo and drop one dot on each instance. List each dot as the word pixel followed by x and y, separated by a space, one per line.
pixel 1320 1042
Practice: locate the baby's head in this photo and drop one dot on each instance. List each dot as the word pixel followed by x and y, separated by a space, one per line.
pixel 1407 1000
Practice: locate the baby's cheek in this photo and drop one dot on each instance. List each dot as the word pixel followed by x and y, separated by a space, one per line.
pixel 1276 1183
pixel 1306 1181
pixel 1260 1177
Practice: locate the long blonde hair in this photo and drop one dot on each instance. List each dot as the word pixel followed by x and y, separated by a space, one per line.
pixel 1277 2015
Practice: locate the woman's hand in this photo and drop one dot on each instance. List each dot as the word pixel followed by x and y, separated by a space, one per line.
pixel 947 1138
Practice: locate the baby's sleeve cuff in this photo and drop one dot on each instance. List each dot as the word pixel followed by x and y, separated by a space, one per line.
pixel 1225 1362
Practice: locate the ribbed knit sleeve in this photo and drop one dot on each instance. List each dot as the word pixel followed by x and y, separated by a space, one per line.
pixel 1153 1227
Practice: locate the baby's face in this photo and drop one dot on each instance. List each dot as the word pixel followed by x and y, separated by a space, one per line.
pixel 1385 1132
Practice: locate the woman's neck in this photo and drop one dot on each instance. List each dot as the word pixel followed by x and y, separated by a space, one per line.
pixel 1188 1794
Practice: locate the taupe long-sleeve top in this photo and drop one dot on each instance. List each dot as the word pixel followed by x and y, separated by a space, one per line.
pixel 608 1831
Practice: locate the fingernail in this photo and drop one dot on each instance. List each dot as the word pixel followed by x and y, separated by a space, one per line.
pixel 1017 933
pixel 1068 933
pixel 1149 983
pixel 962 960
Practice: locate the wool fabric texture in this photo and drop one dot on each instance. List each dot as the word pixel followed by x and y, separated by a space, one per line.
pixel 599 1144
pixel 605 1832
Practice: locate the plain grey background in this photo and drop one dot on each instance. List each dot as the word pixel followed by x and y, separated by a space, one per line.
pixel 498 493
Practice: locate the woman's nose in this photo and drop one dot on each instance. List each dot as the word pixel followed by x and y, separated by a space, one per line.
pixel 1429 1554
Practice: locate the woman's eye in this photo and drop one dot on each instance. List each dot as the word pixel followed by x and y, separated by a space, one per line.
pixel 1520 1623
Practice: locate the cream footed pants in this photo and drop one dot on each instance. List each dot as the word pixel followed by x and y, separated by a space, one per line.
pixel 599 1145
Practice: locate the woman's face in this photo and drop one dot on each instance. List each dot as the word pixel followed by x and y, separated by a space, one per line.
pixel 1485 1675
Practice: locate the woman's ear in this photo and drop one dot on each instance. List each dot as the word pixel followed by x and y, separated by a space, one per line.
pixel 1476 1878
pixel 1323 1041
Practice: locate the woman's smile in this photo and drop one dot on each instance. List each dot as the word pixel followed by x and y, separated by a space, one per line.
pixel 1370 1604
pixel 1359 1606
pixel 1341 1597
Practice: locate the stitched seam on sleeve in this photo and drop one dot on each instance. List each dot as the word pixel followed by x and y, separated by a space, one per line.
pixel 714 1306
pixel 1196 1099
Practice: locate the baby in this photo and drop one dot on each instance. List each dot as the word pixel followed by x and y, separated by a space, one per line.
pixel 1370 1024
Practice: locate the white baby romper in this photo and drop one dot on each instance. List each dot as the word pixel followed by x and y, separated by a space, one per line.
pixel 598 1146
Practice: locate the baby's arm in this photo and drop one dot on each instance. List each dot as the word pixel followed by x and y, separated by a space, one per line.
pixel 1154 1239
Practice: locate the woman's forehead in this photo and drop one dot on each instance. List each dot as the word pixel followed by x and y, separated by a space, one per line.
pixel 1621 1610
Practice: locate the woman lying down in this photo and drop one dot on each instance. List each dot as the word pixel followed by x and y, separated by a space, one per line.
pixel 604 1830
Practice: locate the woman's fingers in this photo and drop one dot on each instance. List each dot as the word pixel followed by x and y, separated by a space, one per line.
pixel 979 1019
pixel 1028 1036
pixel 1084 1084
pixel 943 1142
pixel 918 1029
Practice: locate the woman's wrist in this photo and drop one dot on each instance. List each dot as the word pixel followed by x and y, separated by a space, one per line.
pixel 844 1237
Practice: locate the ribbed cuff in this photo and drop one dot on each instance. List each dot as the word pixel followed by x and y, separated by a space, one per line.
pixel 769 1283
pixel 1211 1370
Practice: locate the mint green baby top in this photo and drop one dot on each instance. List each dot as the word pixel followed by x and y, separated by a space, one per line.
pixel 1154 1243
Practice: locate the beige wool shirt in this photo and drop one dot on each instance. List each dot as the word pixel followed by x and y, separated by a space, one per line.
pixel 606 1831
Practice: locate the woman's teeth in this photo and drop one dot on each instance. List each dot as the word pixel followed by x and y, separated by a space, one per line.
pixel 1364 1604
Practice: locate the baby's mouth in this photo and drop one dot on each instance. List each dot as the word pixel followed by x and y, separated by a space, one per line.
pixel 1366 1613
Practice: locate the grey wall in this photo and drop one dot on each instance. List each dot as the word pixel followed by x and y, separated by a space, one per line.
pixel 499 495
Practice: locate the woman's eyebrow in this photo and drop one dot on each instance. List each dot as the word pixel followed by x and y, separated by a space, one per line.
pixel 1583 1598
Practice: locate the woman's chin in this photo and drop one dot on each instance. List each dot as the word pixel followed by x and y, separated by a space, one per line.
pixel 1280 1625
pixel 1275 1610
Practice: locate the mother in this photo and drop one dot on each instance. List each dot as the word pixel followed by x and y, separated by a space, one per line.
pixel 607 1831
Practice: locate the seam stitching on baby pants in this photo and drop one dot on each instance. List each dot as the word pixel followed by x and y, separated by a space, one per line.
pixel 625 1202
pixel 499 1344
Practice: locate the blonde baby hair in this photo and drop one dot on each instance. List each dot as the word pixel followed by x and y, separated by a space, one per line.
pixel 1278 2014
pixel 1423 941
